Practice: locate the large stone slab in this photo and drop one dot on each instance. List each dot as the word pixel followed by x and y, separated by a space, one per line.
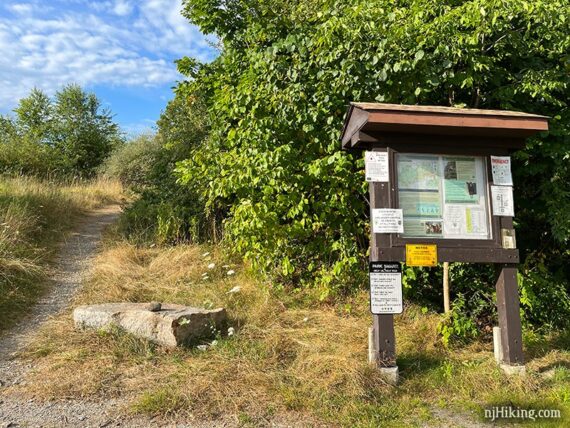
pixel 167 324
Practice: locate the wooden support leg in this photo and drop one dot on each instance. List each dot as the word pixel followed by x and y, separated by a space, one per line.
pixel 384 340
pixel 382 325
pixel 508 307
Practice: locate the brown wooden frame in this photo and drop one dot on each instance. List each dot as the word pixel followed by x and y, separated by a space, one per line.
pixel 443 131
pixel 449 250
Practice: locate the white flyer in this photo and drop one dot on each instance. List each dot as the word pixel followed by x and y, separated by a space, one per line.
pixel 386 288
pixel 454 222
pixel 376 167
pixel 387 220
pixel 476 221
pixel 501 169
pixel 503 201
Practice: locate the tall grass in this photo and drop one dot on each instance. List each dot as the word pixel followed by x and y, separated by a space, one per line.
pixel 34 216
pixel 288 361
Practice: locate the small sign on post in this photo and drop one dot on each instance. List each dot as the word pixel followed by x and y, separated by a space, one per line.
pixel 385 288
pixel 376 167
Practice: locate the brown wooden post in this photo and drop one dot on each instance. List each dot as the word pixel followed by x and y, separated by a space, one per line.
pixel 382 325
pixel 508 307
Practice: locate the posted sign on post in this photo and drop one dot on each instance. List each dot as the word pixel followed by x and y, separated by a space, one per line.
pixel 386 288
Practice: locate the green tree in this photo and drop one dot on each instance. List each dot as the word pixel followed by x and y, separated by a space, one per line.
pixel 7 129
pixel 68 135
pixel 85 133
pixel 34 117
pixel 278 91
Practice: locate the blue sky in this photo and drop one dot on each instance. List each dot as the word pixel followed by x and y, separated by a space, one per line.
pixel 123 50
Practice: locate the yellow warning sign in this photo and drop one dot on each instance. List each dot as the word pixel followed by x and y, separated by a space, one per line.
pixel 421 254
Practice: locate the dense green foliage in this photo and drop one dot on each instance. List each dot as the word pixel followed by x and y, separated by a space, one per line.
pixel 133 163
pixel 277 95
pixel 163 211
pixel 69 135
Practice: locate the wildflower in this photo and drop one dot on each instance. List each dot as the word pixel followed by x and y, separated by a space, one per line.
pixel 206 254
pixel 231 331
pixel 202 347
pixel 214 343
pixel 225 266
pixel 211 266
pixel 305 319
pixel 231 272
pixel 236 289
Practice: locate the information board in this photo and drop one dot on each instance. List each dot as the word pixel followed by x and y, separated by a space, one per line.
pixel 443 197
pixel 386 288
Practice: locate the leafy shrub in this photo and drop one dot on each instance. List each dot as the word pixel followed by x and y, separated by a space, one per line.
pixel 132 163
pixel 545 297
pixel 20 156
pixel 164 211
pixel 457 325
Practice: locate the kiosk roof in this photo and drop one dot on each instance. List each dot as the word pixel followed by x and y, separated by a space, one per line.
pixel 368 122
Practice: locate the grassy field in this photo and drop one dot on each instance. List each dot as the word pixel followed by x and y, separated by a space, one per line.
pixel 287 361
pixel 34 217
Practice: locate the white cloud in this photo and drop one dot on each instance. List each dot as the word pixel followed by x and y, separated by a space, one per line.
pixel 20 8
pixel 116 43
pixel 146 126
pixel 122 8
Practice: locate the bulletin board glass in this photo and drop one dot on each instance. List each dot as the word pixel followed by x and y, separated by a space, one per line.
pixel 443 197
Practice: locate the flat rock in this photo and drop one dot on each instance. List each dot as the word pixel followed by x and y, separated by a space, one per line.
pixel 172 325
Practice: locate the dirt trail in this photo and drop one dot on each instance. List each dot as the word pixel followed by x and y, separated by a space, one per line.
pixel 70 266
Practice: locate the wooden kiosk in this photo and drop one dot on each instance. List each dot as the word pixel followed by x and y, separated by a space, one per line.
pixel 440 191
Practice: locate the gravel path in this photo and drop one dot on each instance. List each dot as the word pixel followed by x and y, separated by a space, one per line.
pixel 70 265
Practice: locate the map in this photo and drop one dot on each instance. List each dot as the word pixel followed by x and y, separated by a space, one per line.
pixel 418 172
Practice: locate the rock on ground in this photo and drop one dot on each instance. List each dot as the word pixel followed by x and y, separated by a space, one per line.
pixel 171 325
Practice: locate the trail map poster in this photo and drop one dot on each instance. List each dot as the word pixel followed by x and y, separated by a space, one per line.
pixel 443 196
pixel 503 202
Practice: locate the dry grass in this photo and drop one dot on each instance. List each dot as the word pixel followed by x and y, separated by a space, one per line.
pixel 34 216
pixel 286 357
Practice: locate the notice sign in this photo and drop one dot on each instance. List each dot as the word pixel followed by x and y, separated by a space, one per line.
pixel 503 201
pixel 421 255
pixel 501 168
pixel 376 166
pixel 387 220
pixel 386 288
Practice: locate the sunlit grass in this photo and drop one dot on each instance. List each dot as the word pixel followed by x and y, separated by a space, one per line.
pixel 286 359
pixel 34 217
